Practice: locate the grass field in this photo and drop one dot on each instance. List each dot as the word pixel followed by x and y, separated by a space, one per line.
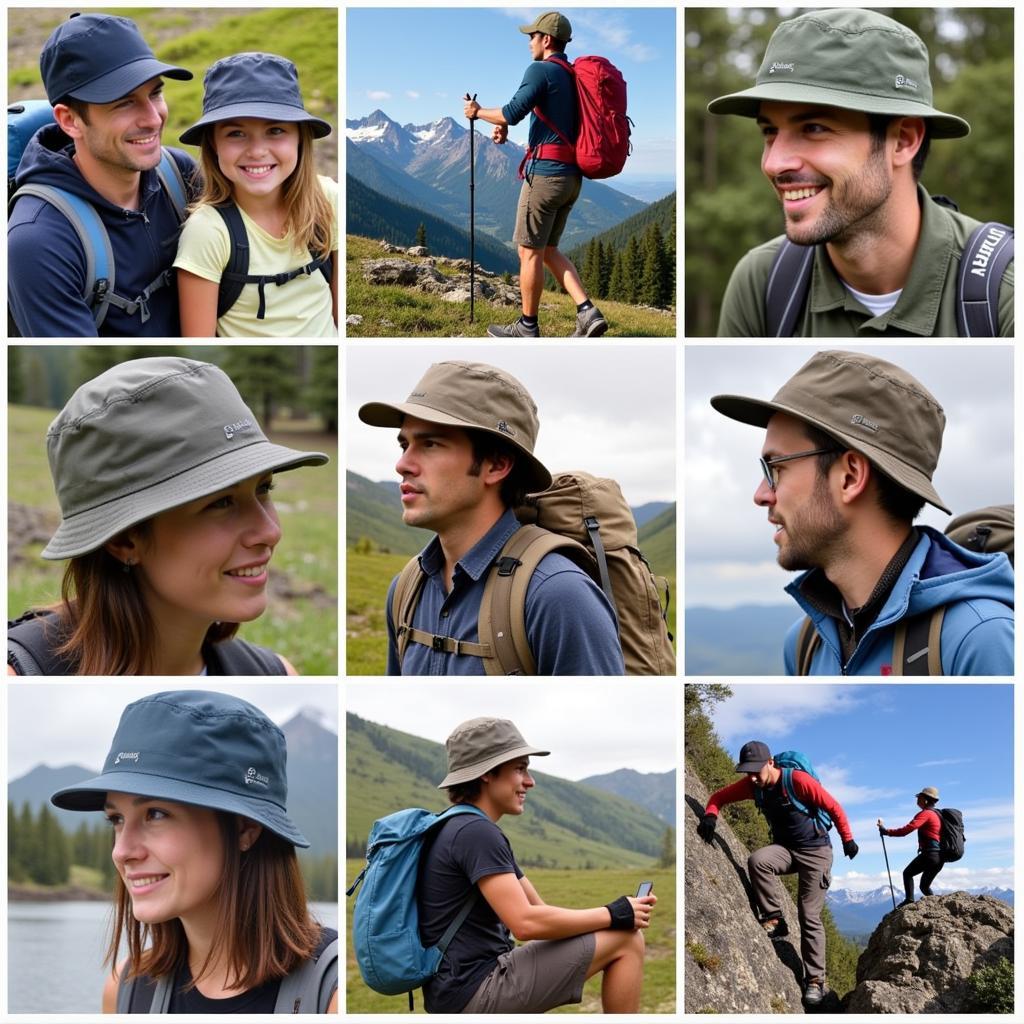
pixel 577 889
pixel 301 619
pixel 392 311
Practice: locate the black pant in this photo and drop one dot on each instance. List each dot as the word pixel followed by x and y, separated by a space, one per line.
pixel 927 864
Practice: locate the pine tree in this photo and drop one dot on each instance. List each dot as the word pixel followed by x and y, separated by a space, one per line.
pixel 81 845
pixel 653 281
pixel 616 288
pixel 265 375
pixel 15 868
pixel 607 257
pixel 421 234
pixel 52 865
pixel 670 263
pixel 632 268
pixel 25 845
pixel 668 848
pixel 592 269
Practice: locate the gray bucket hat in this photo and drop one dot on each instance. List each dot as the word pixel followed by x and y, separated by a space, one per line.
pixel 477 746
pixel 195 747
pixel 849 58
pixel 252 85
pixel 146 436
pixel 865 403
pixel 474 396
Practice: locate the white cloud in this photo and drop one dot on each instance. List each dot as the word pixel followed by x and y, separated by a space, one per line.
pixel 948 760
pixel 835 779
pixel 412 94
pixel 950 879
pixel 378 94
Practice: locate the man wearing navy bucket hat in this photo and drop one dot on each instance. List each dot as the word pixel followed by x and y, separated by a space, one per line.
pixel 91 237
pixel 843 99
pixel 209 895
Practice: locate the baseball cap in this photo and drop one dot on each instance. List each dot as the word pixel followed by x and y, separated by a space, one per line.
pixel 753 756
pixel 551 23
pixel 98 58
pixel 474 396
pixel 477 746
pixel 849 58
pixel 865 403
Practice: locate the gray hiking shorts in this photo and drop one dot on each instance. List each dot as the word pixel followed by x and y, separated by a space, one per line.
pixel 536 977
pixel 544 205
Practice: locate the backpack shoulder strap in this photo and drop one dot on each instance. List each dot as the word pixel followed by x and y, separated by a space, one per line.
pixel 31 644
pixel 917 645
pixel 125 987
pixel 309 988
pixel 806 644
pixel 982 263
pixel 232 281
pixel 240 658
pixel 785 294
pixel 404 599
pixel 92 234
pixel 173 183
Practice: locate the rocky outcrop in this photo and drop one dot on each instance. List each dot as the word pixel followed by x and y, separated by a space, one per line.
pixel 731 966
pixel 919 958
pixel 452 286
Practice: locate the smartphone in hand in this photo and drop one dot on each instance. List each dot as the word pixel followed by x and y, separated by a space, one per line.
pixel 644 889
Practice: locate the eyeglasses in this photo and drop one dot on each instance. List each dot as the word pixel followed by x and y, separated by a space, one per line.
pixel 768 465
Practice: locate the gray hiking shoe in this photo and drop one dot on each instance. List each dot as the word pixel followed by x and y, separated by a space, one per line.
pixel 514 330
pixel 814 992
pixel 590 324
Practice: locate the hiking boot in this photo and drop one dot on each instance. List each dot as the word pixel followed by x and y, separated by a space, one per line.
pixel 814 992
pixel 906 903
pixel 590 324
pixel 514 330
pixel 775 928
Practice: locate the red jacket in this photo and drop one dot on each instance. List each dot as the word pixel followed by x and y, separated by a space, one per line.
pixel 806 787
pixel 927 821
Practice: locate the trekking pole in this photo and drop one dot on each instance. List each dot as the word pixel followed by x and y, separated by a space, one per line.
pixel 472 187
pixel 887 871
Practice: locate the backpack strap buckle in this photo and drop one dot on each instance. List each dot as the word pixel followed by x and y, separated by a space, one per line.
pixel 508 565
pixel 438 643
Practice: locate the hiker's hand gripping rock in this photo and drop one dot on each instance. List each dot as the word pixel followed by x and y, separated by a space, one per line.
pixel 850 848
pixel 706 828
pixel 500 134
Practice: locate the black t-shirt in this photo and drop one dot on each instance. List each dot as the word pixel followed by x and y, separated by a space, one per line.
pixel 462 852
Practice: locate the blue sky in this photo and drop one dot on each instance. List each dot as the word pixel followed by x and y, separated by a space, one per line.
pixel 416 64
pixel 876 746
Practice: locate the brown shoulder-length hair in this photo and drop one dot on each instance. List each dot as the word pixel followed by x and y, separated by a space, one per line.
pixel 309 214
pixel 106 627
pixel 263 928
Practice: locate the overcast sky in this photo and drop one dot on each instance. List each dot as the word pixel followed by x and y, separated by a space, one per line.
pixel 73 723
pixel 730 556
pixel 607 409
pixel 590 727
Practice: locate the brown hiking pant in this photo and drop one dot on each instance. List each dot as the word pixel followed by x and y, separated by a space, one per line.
pixel 814 866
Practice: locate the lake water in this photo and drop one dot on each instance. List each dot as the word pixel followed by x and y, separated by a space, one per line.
pixel 55 954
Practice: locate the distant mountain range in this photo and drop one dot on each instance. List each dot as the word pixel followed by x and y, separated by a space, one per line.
pixel 654 790
pixel 742 641
pixel 858 913
pixel 427 167
pixel 312 793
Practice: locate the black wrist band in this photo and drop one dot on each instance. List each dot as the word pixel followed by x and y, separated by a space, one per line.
pixel 622 914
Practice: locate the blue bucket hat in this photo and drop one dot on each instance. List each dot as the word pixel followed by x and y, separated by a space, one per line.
pixel 98 58
pixel 252 85
pixel 195 747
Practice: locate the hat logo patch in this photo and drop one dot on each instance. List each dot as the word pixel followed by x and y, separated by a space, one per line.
pixel 862 421
pixel 902 82
pixel 123 756
pixel 241 427
pixel 780 66
pixel 505 428
pixel 253 778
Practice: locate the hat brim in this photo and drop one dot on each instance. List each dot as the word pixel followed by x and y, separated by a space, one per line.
pixel 85 531
pixel 751 766
pixel 381 414
pixel 747 103
pixel 91 795
pixel 121 81
pixel 267 111
pixel 757 413
pixel 473 771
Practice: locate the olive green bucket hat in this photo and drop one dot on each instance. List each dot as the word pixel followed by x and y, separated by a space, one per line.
pixel 849 58
pixel 146 436
pixel 473 396
pixel 865 403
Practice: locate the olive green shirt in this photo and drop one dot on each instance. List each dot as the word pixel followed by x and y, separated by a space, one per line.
pixel 925 308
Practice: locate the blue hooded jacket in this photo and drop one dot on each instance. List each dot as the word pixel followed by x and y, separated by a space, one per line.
pixel 46 261
pixel 977 630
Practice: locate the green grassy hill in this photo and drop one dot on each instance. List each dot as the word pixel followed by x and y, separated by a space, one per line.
pixel 567 825
pixel 392 311
pixel 375 514
pixel 658 542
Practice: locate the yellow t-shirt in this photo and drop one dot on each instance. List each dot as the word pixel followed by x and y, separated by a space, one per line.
pixel 300 308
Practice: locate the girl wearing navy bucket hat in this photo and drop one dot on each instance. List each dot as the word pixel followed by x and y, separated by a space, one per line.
pixel 208 899
pixel 163 477
pixel 257 255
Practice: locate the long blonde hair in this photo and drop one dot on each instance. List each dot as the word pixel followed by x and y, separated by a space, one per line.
pixel 307 211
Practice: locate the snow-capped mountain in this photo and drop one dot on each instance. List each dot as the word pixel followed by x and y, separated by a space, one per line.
pixel 857 913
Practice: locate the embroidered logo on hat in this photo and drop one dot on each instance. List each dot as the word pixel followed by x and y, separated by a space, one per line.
pixel 861 421
pixel 253 778
pixel 122 756
pixel 505 428
pixel 902 82
pixel 241 427
pixel 779 66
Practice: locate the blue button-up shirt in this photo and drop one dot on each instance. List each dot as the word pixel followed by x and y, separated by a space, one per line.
pixel 569 622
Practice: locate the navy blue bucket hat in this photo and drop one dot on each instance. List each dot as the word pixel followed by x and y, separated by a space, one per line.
pixel 252 85
pixel 98 58
pixel 195 747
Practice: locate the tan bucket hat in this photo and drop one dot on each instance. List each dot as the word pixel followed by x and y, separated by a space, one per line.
pixel 477 746
pixel 929 791
pixel 865 403
pixel 474 396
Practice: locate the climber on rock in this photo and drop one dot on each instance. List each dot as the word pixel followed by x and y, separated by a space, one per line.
pixel 928 862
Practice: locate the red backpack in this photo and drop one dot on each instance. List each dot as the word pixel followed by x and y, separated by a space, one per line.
pixel 602 144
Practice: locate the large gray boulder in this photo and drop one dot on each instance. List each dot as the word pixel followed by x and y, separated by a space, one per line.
pixel 731 966
pixel 919 958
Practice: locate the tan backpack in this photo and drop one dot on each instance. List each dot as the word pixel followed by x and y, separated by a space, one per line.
pixel 587 519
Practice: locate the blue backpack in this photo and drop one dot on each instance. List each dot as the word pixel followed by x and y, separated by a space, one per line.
pixel 386 933
pixel 24 119
pixel 790 761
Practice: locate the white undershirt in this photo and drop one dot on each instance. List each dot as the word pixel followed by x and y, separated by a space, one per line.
pixel 878 304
